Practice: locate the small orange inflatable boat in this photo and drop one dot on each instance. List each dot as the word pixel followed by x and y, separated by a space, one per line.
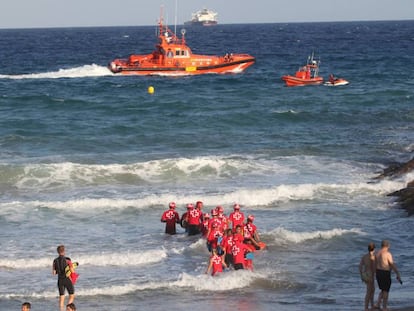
pixel 306 75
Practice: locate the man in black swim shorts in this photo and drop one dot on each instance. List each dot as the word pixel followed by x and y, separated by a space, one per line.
pixel 384 265
pixel 383 279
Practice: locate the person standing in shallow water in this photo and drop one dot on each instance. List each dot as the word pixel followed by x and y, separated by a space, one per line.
pixel 384 264
pixel 171 218
pixel 367 272
pixel 194 217
pixel 64 283
pixel 215 263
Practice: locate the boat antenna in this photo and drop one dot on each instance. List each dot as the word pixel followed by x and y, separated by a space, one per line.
pixel 175 19
pixel 161 21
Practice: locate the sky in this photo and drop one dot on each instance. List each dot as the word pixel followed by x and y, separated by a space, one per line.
pixel 91 13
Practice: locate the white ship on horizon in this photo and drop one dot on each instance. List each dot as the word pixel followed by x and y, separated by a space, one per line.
pixel 204 17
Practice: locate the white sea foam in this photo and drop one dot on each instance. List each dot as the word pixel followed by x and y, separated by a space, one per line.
pixel 77 72
pixel 288 111
pixel 287 170
pixel 200 243
pixel 40 175
pixel 226 281
pixel 45 175
pixel 197 245
pixel 119 290
pixel 246 197
pixel 287 179
pixel 105 259
pixel 283 236
pixel 80 204
pixel 114 290
pixel 223 282
pixel 409 148
pixel 28 295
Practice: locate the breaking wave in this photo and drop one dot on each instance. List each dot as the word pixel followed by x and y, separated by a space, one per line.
pixel 224 282
pixel 282 236
pixel 108 259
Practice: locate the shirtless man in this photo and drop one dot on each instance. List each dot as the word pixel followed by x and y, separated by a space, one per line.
pixel 367 272
pixel 384 265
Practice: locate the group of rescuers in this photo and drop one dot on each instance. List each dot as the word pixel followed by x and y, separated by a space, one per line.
pixel 231 239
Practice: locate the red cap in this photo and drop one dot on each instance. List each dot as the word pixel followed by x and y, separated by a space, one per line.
pixel 236 206
pixel 172 205
pixel 190 206
pixel 251 218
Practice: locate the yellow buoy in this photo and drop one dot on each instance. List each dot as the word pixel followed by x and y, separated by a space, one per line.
pixel 150 90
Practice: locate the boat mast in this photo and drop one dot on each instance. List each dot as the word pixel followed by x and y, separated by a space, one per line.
pixel 175 19
pixel 314 65
pixel 159 29
pixel 317 66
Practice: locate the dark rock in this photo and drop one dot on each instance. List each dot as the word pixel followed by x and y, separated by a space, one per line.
pixel 407 204
pixel 397 169
pixel 405 196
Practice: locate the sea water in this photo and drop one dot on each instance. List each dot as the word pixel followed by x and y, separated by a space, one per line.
pixel 90 160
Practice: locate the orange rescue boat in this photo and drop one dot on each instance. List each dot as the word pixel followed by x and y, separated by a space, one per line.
pixel 172 56
pixel 306 75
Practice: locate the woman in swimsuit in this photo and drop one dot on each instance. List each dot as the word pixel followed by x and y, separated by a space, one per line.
pixel 367 272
